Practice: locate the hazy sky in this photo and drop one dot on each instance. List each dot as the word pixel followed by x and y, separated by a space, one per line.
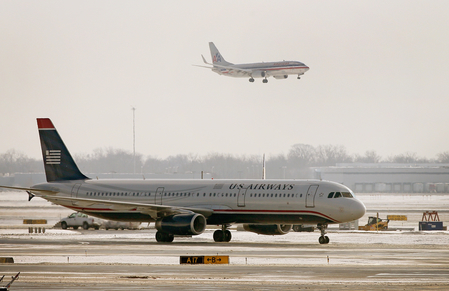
pixel 378 77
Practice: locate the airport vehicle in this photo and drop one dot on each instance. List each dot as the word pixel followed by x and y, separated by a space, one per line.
pixel 111 224
pixel 13 278
pixel 375 223
pixel 278 70
pixel 185 207
pixel 78 219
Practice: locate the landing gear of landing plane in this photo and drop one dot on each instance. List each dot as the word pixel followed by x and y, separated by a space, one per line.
pixel 222 235
pixel 164 237
pixel 324 239
pixel 251 79
pixel 265 80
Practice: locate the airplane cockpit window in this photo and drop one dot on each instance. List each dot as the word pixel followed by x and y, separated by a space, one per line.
pixel 330 195
pixel 341 194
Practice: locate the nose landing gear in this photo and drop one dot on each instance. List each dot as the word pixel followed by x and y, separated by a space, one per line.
pixel 324 239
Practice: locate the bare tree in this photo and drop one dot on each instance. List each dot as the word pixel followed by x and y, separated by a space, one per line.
pixel 369 157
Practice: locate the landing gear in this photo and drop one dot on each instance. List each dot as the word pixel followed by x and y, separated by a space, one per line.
pixel 324 239
pixel 299 77
pixel 222 235
pixel 164 237
pixel 251 79
pixel 265 80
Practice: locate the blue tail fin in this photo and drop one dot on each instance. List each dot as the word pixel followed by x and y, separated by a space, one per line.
pixel 59 164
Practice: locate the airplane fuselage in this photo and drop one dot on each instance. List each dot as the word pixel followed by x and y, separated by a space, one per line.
pixel 268 68
pixel 230 201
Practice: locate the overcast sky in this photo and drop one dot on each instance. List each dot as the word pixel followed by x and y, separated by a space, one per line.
pixel 378 77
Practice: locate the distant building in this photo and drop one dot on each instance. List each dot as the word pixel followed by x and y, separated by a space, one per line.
pixel 388 177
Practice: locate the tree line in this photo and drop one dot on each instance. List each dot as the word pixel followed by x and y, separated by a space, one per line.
pixel 295 164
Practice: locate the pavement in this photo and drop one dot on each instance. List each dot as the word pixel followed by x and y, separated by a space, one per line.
pixel 133 260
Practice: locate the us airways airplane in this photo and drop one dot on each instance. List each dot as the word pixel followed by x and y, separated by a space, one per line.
pixel 185 207
pixel 278 70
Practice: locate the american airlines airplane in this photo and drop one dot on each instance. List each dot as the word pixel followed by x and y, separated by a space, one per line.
pixel 185 207
pixel 279 70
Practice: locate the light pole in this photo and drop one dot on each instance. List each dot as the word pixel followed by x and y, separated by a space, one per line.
pixel 134 138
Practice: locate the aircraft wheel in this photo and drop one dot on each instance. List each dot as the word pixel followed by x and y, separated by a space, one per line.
pixel 323 240
pixel 265 81
pixel 218 236
pixel 64 225
pixel 227 236
pixel 164 237
pixel 251 80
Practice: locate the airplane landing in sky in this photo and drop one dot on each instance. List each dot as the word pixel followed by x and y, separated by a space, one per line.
pixel 185 207
pixel 277 70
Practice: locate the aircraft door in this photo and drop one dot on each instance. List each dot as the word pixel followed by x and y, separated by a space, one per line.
pixel 75 189
pixel 241 197
pixel 310 196
pixel 158 195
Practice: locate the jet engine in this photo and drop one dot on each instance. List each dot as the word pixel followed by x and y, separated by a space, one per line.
pixel 280 76
pixel 258 74
pixel 268 229
pixel 182 224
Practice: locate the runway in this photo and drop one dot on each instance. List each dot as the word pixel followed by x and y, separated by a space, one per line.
pixel 132 260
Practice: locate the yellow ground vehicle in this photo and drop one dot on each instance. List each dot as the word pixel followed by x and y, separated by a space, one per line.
pixel 375 223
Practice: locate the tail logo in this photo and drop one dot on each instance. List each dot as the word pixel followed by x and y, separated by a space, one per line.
pixel 53 157
pixel 217 58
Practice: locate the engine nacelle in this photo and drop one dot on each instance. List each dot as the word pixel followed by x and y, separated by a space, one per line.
pixel 258 74
pixel 268 229
pixel 182 224
pixel 280 76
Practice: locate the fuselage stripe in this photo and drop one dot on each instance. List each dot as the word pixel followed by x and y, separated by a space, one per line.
pixel 227 211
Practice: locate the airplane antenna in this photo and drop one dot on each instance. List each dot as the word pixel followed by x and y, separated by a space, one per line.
pixel 263 168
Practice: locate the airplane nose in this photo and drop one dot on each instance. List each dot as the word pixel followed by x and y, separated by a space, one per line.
pixel 357 209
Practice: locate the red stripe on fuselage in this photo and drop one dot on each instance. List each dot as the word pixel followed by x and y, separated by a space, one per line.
pixel 228 211
pixel 286 68
pixel 275 211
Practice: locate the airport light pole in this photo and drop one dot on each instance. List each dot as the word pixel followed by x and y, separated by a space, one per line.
pixel 134 138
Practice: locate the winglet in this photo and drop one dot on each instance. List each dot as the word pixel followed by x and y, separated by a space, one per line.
pixel 204 60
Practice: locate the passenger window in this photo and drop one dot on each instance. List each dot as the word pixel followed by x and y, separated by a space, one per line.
pixel 330 195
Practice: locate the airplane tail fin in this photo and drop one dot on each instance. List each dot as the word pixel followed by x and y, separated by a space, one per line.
pixel 59 164
pixel 217 58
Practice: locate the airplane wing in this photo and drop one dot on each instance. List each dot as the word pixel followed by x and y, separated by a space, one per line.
pixel 236 69
pixel 203 66
pixel 154 210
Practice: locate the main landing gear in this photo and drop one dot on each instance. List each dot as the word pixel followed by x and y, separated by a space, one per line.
pixel 222 235
pixel 324 239
pixel 263 81
pixel 164 237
